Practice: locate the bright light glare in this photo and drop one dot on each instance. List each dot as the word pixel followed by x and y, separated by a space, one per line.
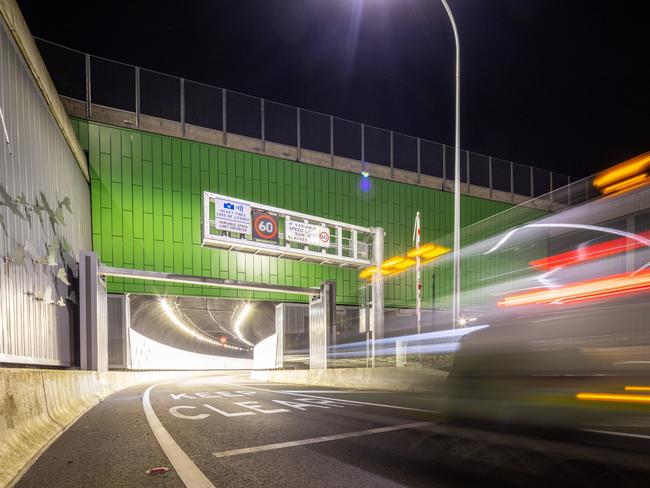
pixel 239 320
pixel 169 311
pixel 613 397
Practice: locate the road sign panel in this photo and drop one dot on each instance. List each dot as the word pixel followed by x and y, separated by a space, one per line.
pixel 265 226
pixel 232 216
pixel 309 234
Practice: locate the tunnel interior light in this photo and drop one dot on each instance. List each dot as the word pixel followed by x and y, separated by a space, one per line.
pixel 624 176
pixel 171 314
pixel 599 288
pixel 240 316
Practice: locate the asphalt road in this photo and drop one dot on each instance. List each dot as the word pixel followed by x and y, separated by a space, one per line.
pixel 225 430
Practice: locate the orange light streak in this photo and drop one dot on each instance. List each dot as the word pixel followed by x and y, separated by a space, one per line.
pixel 586 290
pixel 613 397
pixel 637 388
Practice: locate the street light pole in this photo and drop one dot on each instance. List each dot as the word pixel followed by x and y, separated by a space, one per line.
pixel 456 290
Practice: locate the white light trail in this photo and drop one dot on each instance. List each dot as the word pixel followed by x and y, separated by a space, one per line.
pixel 239 320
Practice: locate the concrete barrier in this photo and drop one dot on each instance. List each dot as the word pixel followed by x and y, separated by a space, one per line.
pixel 393 379
pixel 36 406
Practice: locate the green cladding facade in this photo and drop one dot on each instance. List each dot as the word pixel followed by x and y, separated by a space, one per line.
pixel 147 201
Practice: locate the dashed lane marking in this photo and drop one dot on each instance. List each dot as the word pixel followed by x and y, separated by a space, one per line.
pixel 317 440
pixel 191 476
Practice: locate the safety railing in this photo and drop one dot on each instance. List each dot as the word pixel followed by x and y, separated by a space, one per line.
pixel 97 81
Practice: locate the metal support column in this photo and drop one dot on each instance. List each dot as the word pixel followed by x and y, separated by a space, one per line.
pixel 377 315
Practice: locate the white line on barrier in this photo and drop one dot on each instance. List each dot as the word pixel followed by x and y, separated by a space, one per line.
pixel 622 434
pixel 191 476
pixel 283 392
pixel 316 440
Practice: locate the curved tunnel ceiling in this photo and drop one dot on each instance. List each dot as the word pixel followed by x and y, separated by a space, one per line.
pixel 202 325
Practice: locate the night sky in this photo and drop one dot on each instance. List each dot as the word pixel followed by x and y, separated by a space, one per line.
pixel 563 85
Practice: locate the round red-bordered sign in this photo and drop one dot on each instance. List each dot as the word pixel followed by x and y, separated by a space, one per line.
pixel 265 226
pixel 324 236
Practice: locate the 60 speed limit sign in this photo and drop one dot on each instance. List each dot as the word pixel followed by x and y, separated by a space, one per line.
pixel 265 226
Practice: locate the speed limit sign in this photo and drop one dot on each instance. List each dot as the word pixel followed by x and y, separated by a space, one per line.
pixel 265 226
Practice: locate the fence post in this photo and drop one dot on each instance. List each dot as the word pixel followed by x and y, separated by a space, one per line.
pixel 363 146
pixel 331 140
pixel 467 164
pixel 392 159
pixel 183 106
pixel 298 151
pixel 490 173
pixel 419 163
pixel 137 96
pixel 262 125
pixel 89 102
pixel 532 187
pixel 224 118
pixel 568 189
pixel 551 185
pixel 512 181
pixel 444 166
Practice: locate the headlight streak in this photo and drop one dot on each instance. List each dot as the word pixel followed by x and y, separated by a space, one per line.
pixel 613 397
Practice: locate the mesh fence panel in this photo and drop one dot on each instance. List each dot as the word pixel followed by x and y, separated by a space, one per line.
pixel 405 152
pixel 501 175
pixel 521 182
pixel 377 146
pixel 450 163
pixel 67 69
pixel 541 182
pixel 203 105
pixel 160 95
pixel 347 139
pixel 112 84
pixel 314 131
pixel 431 158
pixel 479 170
pixel 243 115
pixel 280 123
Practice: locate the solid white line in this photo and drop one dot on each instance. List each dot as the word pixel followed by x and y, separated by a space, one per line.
pixel 316 440
pixel 326 391
pixel 622 434
pixel 191 476
pixel 283 392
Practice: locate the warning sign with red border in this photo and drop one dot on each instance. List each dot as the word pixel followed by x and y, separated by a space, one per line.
pixel 265 226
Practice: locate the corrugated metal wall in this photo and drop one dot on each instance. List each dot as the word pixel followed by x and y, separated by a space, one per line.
pixel 146 213
pixel 44 222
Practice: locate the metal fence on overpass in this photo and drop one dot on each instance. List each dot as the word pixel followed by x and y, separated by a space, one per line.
pixel 99 81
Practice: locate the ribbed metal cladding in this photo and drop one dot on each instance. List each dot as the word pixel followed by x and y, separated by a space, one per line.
pixel 37 166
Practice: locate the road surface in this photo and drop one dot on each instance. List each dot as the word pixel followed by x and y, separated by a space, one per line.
pixel 225 430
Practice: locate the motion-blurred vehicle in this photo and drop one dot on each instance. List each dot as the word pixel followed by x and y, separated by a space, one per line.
pixel 568 342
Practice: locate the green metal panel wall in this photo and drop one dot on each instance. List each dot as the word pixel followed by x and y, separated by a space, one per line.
pixel 146 213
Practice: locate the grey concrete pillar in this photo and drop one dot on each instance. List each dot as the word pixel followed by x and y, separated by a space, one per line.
pixel 377 311
pixel 93 322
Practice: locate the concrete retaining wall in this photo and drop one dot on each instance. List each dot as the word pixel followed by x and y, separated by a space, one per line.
pixel 394 379
pixel 36 406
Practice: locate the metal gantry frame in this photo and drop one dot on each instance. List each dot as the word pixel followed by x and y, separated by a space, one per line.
pixel 351 255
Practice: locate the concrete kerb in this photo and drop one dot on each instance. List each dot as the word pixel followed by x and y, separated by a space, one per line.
pixel 389 378
pixel 37 406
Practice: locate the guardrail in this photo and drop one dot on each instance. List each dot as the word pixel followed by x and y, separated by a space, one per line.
pixel 98 81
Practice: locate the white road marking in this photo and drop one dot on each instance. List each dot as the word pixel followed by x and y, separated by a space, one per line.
pixel 283 392
pixel 622 434
pixel 326 391
pixel 316 440
pixel 191 476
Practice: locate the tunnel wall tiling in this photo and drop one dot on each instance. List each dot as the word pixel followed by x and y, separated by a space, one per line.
pixel 146 192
